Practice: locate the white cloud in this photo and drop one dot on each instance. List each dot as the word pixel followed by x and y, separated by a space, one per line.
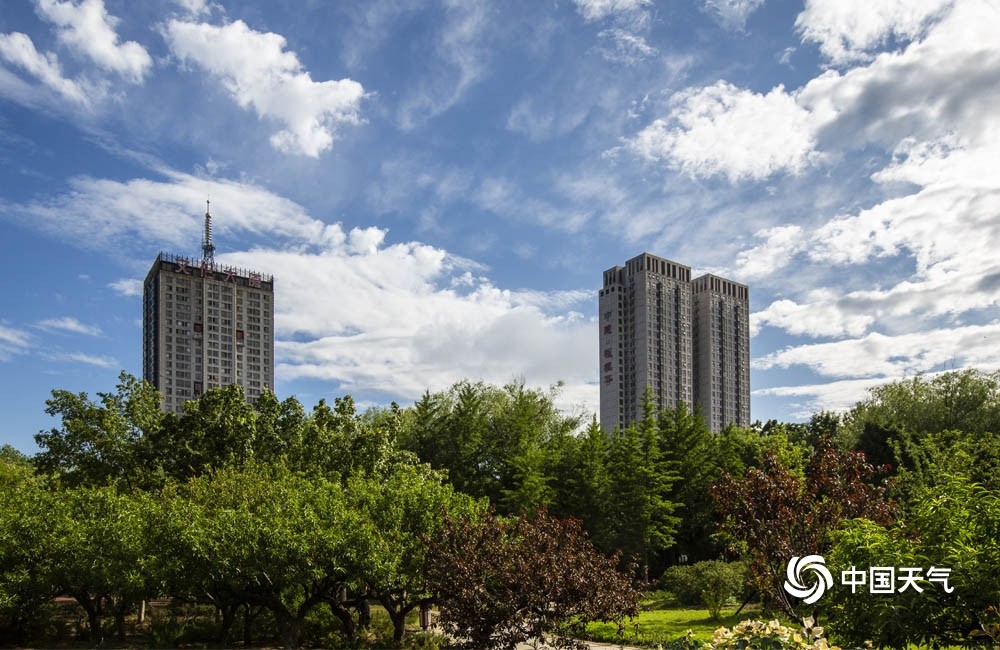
pixel 878 355
pixel 408 317
pixel 847 30
pixel 395 318
pixel 127 286
pixel 594 10
pixel 777 250
pixel 625 42
pixel 819 315
pixel 68 324
pixel 624 46
pixel 540 122
pixel 259 73
pixel 197 8
pixel 19 50
pixel 732 14
pixel 835 396
pixel 457 62
pixel 87 28
pixel 725 130
pixel 81 357
pixel 113 215
pixel 13 342
pixel 945 83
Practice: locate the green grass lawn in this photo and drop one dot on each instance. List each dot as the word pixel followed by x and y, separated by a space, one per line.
pixel 661 620
pixel 661 626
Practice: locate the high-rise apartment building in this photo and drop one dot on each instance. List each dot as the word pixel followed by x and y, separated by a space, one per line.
pixel 687 341
pixel 721 334
pixel 206 325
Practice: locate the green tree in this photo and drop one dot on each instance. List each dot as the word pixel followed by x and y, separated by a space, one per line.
pixel 105 555
pixel 580 481
pixel 689 448
pixel 492 441
pixel 265 537
pixel 103 442
pixel 966 400
pixel 954 526
pixel 711 583
pixel 279 428
pixel 29 544
pixel 403 509
pixel 641 511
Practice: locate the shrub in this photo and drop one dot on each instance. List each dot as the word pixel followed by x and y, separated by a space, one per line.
pixel 711 583
pixel 682 582
pixel 769 636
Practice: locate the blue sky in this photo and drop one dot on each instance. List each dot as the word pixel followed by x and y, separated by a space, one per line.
pixel 437 186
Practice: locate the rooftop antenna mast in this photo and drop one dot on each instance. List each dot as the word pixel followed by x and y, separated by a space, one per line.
pixel 207 248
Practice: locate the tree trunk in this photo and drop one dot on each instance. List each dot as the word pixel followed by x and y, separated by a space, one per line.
pixel 227 613
pixel 344 614
pixel 398 625
pixel 249 616
pixel 92 607
pixel 120 623
pixel 397 611
pixel 291 630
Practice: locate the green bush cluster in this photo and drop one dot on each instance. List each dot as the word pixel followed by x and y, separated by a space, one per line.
pixel 711 583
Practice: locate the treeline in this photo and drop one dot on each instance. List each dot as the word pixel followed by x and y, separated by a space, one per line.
pixel 275 519
pixel 272 513
pixel 904 485
pixel 643 491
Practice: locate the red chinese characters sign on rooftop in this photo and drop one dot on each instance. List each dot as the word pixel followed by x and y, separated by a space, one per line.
pixel 219 272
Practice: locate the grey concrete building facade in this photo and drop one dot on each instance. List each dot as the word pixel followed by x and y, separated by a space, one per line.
pixel 721 334
pixel 206 325
pixel 683 339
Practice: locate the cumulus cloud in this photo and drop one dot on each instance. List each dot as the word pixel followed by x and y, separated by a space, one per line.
pixel 68 324
pixel 127 287
pixel 87 28
pixel 725 130
pixel 779 246
pixel 878 355
pixel 260 74
pixel 907 282
pixel 847 30
pixel 732 14
pixel 396 318
pixel 945 83
pixel 87 32
pixel 197 8
pixel 828 396
pixel 819 315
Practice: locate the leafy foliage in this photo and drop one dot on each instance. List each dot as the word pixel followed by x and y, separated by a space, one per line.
pixel 770 515
pixel 710 583
pixel 956 526
pixel 501 582
pixel 771 635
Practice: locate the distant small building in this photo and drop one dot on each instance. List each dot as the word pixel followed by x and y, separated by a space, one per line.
pixel 205 325
pixel 687 340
